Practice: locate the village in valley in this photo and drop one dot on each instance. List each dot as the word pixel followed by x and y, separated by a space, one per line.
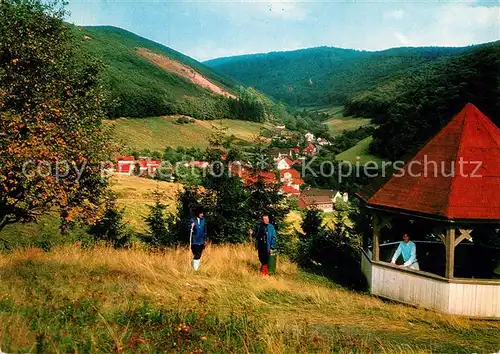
pixel 280 166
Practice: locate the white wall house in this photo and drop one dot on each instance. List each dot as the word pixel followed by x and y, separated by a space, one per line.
pixel 309 137
pixel 284 164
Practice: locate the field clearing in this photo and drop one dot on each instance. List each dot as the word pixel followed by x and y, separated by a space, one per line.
pixel 126 301
pixel 335 111
pixel 361 150
pixel 156 133
pixel 135 194
pixel 340 124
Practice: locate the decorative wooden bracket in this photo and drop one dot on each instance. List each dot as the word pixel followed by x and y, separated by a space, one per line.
pixel 385 222
pixel 464 234
pixel 450 241
pixel 442 236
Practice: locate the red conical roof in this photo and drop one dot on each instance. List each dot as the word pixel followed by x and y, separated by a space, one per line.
pixel 471 143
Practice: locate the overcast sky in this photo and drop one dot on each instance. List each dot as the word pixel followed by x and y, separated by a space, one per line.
pixel 205 29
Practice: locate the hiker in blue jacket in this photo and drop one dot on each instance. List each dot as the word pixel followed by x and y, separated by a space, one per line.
pixel 198 237
pixel 265 242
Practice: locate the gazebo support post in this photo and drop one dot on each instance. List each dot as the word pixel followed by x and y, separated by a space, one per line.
pixel 376 238
pixel 450 252
pixel 378 223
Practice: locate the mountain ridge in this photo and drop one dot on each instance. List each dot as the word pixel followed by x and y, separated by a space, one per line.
pixel 325 75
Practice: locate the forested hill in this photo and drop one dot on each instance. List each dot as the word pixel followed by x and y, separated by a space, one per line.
pixel 411 109
pixel 324 75
pixel 145 78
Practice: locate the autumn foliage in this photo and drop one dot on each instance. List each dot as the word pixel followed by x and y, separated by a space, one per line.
pixel 51 107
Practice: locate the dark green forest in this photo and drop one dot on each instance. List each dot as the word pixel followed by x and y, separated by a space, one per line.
pixel 412 109
pixel 409 92
pixel 324 75
pixel 139 88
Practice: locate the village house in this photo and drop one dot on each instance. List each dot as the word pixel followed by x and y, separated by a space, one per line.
pixel 310 150
pixel 290 192
pixel 126 165
pixel 323 142
pixel 320 202
pixel 278 153
pixel 322 199
pixel 199 164
pixel 284 164
pixel 291 178
pixel 309 137
pixel 247 177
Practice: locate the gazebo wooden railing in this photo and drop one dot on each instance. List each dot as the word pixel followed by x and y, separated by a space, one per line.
pixel 457 296
pixel 454 200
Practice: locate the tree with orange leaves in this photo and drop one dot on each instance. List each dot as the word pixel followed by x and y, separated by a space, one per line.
pixel 52 141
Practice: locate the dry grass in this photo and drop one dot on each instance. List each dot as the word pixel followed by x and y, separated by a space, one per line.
pixel 291 312
pixel 136 193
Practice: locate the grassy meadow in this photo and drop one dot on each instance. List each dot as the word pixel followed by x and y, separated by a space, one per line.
pixel 87 299
pixel 338 123
pixel 361 150
pixel 128 301
pixel 156 133
pixel 135 194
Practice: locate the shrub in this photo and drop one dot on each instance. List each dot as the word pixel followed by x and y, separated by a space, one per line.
pixel 111 228
pixel 341 205
pixel 333 252
pixel 158 222
pixel 184 120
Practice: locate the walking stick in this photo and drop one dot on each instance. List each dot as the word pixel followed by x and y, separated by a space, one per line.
pixel 191 237
pixel 190 241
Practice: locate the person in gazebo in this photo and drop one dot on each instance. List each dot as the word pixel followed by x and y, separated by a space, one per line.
pixel 408 250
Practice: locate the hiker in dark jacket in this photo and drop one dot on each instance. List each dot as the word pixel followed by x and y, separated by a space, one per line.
pixel 265 242
pixel 198 237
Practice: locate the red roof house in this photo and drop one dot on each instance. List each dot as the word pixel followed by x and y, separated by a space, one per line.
pixel 284 163
pixel 126 165
pixel 291 177
pixel 267 177
pixel 125 169
pixel 289 173
pixel 310 149
pixel 290 191
pixel 455 176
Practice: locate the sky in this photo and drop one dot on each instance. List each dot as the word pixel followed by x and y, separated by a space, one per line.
pixel 207 29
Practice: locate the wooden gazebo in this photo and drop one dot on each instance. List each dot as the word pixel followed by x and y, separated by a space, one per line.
pixel 453 184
